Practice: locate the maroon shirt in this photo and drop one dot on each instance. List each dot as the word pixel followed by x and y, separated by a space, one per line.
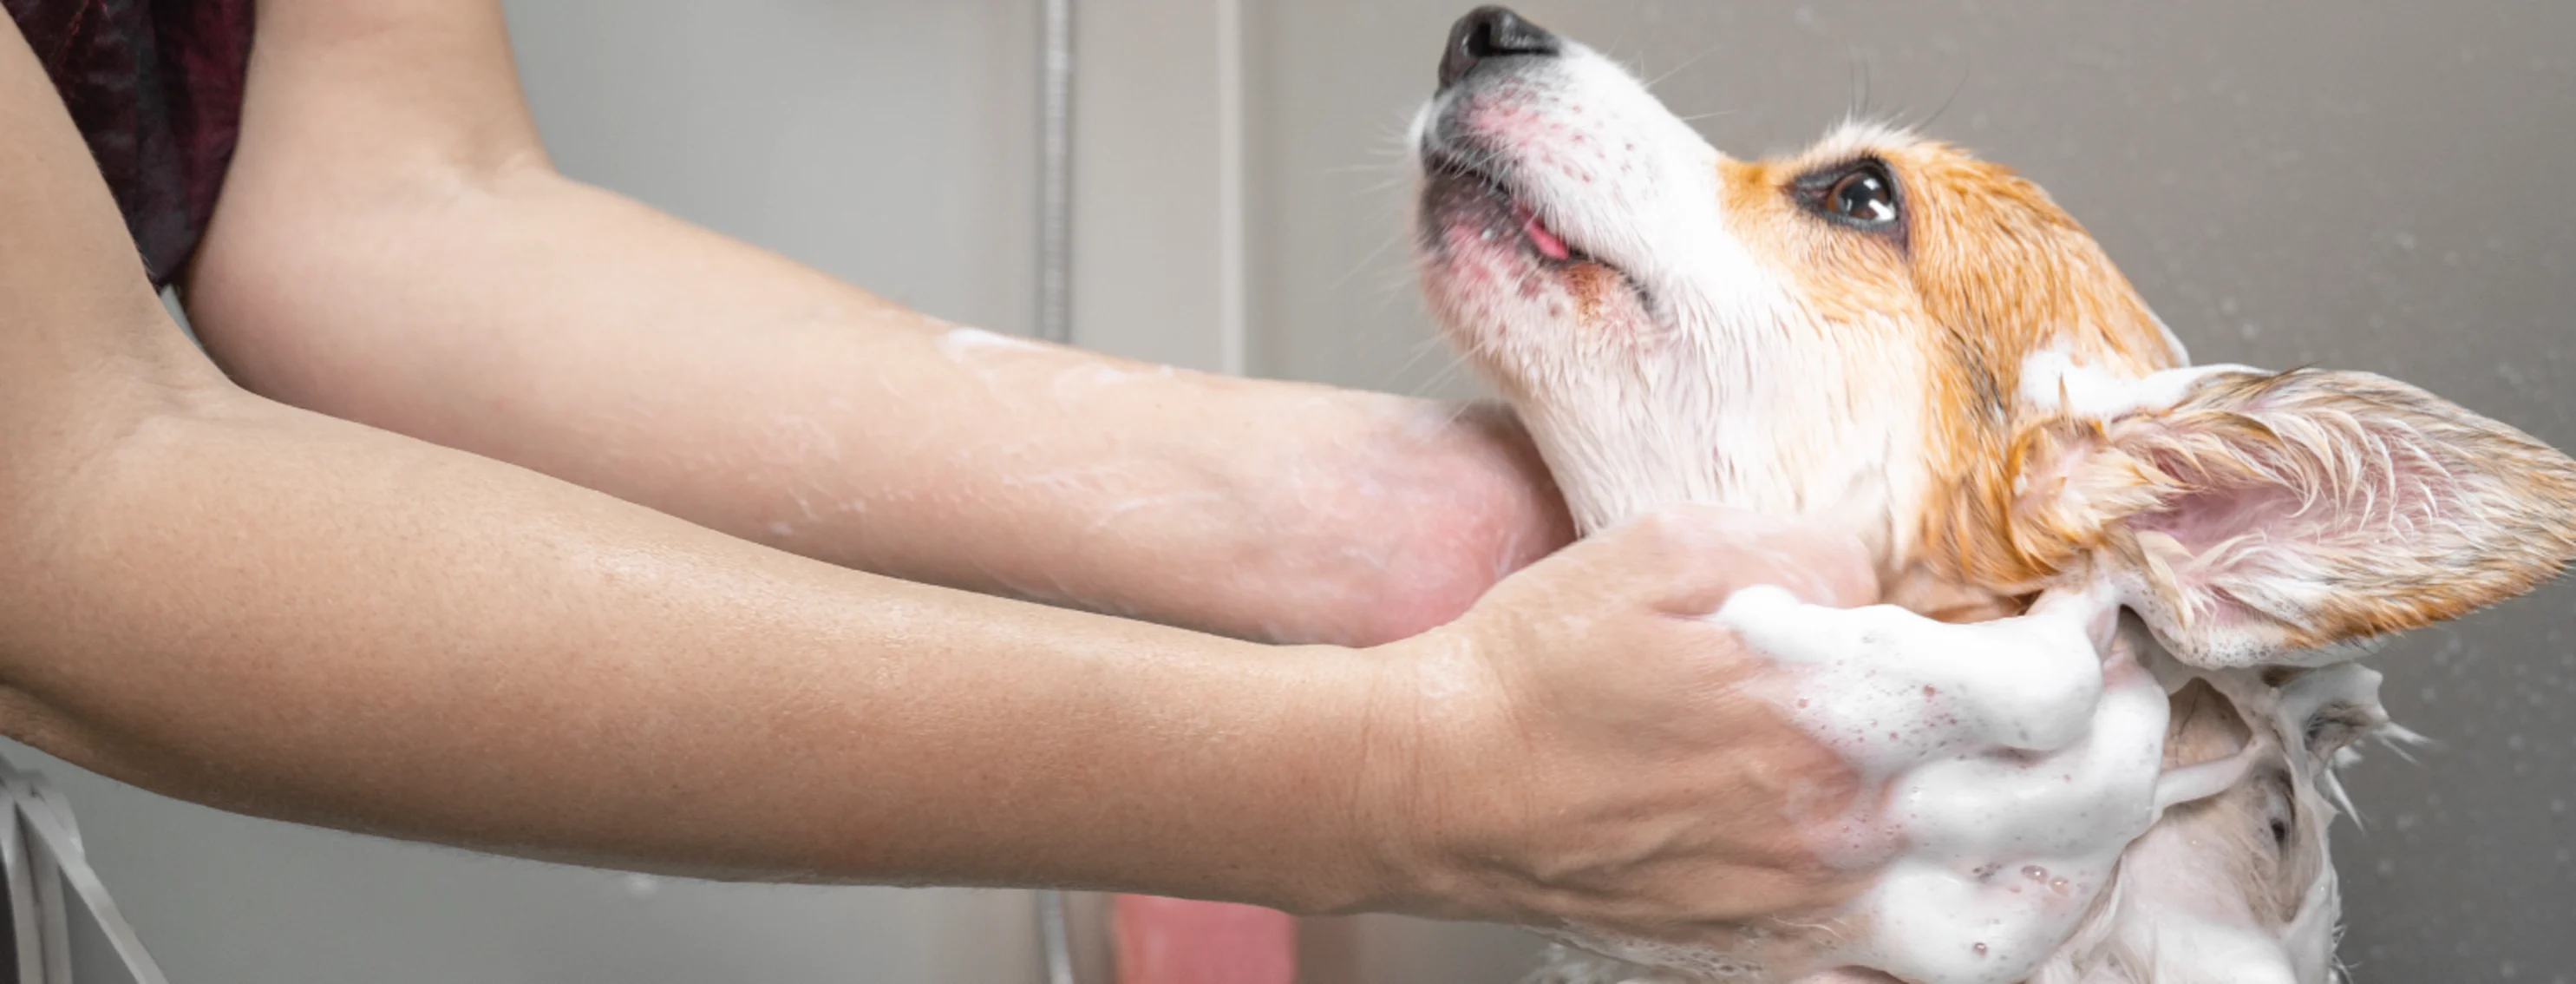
pixel 156 88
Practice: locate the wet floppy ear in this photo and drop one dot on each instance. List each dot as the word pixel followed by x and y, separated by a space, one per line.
pixel 2257 515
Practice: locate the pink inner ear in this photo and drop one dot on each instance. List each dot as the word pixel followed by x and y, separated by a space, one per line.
pixel 2207 520
pixel 2223 537
pixel 2274 529
pixel 2266 514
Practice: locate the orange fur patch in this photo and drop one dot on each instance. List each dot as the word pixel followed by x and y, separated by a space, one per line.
pixel 1988 272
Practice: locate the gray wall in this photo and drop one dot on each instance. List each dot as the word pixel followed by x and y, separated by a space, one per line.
pixel 2371 186
pixel 890 142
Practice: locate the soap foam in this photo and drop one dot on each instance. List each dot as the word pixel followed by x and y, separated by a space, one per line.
pixel 2017 766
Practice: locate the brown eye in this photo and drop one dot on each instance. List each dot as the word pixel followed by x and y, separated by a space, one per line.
pixel 1865 196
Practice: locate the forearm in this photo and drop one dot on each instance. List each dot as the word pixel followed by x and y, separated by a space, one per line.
pixel 614 347
pixel 280 614
pixel 226 599
pixel 497 307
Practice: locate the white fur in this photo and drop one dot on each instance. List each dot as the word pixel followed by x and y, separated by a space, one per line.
pixel 1724 377
pixel 2057 380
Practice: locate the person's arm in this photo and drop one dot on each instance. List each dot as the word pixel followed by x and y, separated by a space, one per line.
pixel 222 598
pixel 393 248
pixel 261 608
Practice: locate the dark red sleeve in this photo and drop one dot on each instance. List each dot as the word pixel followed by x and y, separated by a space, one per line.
pixel 156 88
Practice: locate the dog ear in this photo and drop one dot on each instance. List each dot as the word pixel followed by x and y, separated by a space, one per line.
pixel 2250 516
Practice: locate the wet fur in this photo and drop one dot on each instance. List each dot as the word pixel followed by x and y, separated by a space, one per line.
pixel 1713 342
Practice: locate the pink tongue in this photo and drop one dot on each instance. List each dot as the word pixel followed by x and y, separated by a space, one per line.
pixel 1548 245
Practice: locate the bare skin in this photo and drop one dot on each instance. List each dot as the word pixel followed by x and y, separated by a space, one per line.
pixel 393 248
pixel 221 594
pixel 1537 826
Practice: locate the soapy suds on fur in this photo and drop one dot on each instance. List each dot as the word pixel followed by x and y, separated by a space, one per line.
pixel 2016 768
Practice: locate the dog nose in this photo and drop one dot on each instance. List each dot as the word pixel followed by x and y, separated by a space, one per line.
pixel 1492 32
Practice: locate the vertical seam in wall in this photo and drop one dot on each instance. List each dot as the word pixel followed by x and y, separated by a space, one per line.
pixel 1232 262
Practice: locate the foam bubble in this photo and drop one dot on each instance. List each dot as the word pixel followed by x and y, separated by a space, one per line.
pixel 2018 766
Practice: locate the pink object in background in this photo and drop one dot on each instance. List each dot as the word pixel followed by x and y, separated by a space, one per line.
pixel 1174 941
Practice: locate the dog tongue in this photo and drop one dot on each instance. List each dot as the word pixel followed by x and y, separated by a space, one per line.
pixel 1548 244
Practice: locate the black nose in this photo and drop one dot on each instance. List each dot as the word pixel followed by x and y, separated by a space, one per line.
pixel 1492 32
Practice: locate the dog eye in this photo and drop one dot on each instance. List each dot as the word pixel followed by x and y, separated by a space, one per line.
pixel 1864 196
pixel 1860 194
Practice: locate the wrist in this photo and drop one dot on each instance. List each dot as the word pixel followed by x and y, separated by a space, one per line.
pixel 1368 850
pixel 1492 509
pixel 1424 695
pixel 1407 511
pixel 1283 781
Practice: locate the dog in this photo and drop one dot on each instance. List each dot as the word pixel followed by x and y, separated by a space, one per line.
pixel 1888 336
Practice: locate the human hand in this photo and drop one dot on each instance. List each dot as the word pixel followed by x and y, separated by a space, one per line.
pixel 1777 789
pixel 1587 753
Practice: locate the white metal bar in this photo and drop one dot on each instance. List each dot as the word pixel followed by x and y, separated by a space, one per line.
pixel 23 913
pixel 1232 263
pixel 1055 931
pixel 53 858
pixel 1055 180
pixel 53 921
pixel 1055 315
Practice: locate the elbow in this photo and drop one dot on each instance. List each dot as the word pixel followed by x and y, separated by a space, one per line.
pixel 78 443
